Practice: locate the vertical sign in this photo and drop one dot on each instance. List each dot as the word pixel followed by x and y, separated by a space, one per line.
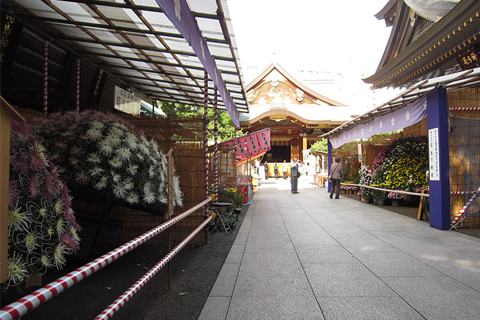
pixel 434 153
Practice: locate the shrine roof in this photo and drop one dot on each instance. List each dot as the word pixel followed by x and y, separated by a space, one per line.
pixel 419 49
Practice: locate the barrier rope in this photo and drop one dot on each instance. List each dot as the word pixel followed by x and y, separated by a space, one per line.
pixel 123 299
pixel 19 308
pixel 389 190
pixel 77 99
pixel 455 221
pixel 464 109
pixel 45 78
pixel 215 108
pixel 205 141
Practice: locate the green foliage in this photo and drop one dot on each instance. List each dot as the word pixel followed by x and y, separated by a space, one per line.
pixel 226 127
pixel 320 145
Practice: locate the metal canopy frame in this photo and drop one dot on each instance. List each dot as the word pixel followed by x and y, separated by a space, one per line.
pixel 134 41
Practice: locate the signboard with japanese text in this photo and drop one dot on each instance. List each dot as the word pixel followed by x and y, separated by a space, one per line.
pixel 126 101
pixel 469 59
pixel 434 154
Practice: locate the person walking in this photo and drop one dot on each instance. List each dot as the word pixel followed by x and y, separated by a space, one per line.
pixel 336 172
pixel 265 166
pixel 275 170
pixel 294 174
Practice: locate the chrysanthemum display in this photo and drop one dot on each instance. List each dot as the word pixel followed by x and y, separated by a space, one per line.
pixel 106 160
pixel 41 225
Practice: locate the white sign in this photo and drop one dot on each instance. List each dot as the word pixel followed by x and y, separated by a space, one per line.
pixel 434 153
pixel 126 101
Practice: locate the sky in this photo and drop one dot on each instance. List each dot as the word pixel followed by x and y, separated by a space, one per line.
pixel 314 38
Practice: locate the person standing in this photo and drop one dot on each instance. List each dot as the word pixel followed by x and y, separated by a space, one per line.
pixel 257 167
pixel 265 166
pixel 294 173
pixel 336 172
pixel 275 170
pixel 285 170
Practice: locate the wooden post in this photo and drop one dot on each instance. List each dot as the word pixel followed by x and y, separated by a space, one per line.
pixel 6 113
pixel 420 208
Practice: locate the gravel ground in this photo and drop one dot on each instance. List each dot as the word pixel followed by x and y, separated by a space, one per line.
pixel 194 271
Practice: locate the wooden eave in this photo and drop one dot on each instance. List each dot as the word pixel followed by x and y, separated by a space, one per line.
pixel 451 35
pixel 258 81
pixel 288 114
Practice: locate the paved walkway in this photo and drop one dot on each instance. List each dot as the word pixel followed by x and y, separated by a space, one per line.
pixel 305 256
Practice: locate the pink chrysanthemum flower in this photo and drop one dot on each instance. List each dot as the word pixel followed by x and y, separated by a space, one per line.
pixel 69 241
pixel 34 185
pixel 37 158
pixel 19 162
pixel 13 193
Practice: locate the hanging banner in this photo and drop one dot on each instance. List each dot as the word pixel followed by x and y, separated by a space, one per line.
pixel 251 145
pixel 178 12
pixel 399 119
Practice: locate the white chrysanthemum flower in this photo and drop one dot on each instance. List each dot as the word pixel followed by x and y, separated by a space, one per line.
pixel 116 177
pixel 115 162
pixel 119 191
pixel 140 157
pixel 118 125
pixel 17 269
pixel 96 171
pixel 123 153
pixel 162 198
pixel 102 183
pixel 128 184
pixel 144 149
pixel 114 139
pixel 31 241
pixel 61 224
pixel 97 125
pixel 131 140
pixel 132 198
pixel 132 169
pixel 177 197
pixel 94 158
pixel 151 171
pixel 59 255
pixel 46 261
pixel 74 161
pixel 105 147
pixel 18 219
pixel 149 197
pixel 94 134
pixel 147 187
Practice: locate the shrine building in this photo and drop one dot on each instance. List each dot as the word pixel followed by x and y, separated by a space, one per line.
pixel 295 114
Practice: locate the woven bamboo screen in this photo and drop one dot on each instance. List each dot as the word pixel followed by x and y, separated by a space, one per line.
pixel 464 152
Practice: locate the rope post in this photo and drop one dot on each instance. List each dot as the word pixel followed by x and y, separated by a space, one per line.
pixel 215 108
pixel 77 101
pixel 205 107
pixel 45 78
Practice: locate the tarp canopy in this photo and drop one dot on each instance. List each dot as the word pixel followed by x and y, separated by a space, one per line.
pixel 158 48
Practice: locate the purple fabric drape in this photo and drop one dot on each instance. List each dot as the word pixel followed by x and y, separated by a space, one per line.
pixel 178 12
pixel 399 119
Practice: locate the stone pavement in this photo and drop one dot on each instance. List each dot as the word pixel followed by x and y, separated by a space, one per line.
pixel 305 256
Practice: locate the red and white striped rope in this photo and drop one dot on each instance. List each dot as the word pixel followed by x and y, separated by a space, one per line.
pixel 123 299
pixel 77 100
pixel 235 150
pixel 205 117
pixel 464 209
pixel 36 298
pixel 215 108
pixel 461 192
pixel 388 190
pixel 464 109
pixel 45 78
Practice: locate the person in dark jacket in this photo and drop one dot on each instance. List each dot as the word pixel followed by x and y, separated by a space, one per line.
pixel 294 174
pixel 336 172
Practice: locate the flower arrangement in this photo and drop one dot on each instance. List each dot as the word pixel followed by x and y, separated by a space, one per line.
pixel 395 195
pixel 365 179
pixel 403 160
pixel 104 159
pixel 228 193
pixel 42 228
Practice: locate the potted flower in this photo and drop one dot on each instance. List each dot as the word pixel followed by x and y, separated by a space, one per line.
pixel 382 195
pixel 396 198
